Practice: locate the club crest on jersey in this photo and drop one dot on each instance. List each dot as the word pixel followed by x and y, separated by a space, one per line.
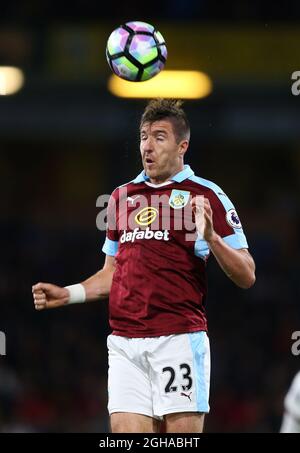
pixel 233 219
pixel 179 199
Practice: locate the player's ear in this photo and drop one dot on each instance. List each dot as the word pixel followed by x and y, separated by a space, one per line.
pixel 183 146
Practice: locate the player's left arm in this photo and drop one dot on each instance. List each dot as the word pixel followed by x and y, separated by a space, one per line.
pixel 237 264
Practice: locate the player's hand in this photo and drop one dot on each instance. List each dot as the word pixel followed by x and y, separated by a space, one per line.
pixel 203 217
pixel 46 295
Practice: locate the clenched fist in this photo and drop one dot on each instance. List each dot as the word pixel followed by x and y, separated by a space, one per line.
pixel 46 295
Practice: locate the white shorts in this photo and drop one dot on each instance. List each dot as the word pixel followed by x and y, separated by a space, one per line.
pixel 160 375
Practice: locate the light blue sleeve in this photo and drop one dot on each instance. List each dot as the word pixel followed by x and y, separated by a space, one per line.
pixel 201 248
pixel 110 247
pixel 237 240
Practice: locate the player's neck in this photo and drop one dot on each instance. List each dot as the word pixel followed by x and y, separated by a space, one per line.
pixel 160 179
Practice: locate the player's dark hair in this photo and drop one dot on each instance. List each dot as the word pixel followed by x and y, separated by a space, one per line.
pixel 159 109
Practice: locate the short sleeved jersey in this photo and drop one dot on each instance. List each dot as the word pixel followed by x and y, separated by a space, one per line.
pixel 159 286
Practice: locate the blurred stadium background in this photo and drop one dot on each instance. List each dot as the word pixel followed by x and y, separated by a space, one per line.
pixel 65 140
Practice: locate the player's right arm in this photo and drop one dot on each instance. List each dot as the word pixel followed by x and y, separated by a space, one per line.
pixel 47 295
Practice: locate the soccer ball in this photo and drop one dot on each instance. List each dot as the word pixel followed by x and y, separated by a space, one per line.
pixel 136 51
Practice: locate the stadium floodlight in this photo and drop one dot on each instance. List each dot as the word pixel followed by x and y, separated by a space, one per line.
pixel 167 84
pixel 11 80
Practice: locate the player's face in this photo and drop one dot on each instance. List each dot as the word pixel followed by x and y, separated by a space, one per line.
pixel 162 156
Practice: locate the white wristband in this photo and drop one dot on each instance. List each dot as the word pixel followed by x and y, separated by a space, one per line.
pixel 77 293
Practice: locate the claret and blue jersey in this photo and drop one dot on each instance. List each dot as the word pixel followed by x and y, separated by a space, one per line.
pixel 159 285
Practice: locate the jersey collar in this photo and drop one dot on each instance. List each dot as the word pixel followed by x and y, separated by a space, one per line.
pixel 187 172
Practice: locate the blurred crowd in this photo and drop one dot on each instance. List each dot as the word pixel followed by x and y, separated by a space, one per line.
pixel 38 13
pixel 53 378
